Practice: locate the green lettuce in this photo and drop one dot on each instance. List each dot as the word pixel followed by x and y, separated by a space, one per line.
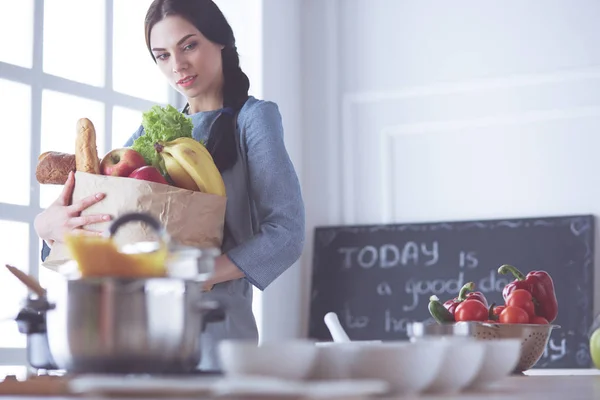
pixel 161 124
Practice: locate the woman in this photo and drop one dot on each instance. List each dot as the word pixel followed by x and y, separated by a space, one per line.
pixel 194 47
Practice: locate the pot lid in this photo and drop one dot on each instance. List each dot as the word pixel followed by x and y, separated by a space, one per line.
pixel 102 257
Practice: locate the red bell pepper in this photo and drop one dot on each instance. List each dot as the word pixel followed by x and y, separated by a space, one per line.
pixel 541 287
pixel 463 296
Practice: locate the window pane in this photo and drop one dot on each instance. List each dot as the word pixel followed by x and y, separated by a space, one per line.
pixel 245 18
pixel 60 113
pixel 16 23
pixel 74 45
pixel 12 292
pixel 47 277
pixel 134 71
pixel 125 122
pixel 15 114
pixel 49 193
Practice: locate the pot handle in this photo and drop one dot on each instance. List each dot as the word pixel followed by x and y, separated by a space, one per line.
pixel 141 217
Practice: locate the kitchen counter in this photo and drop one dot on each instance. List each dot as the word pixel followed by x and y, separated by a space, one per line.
pixel 567 384
pixel 539 384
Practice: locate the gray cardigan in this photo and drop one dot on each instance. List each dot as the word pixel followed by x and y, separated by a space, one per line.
pixel 264 217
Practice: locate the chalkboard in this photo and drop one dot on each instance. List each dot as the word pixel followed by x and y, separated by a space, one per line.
pixel 379 277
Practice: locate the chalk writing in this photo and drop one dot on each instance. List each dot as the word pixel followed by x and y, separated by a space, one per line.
pixel 353 322
pixel 384 289
pixel 559 351
pixel 467 259
pixel 367 257
pixel 390 255
pixel 433 253
pixel 492 283
pixel 446 288
pixel 392 324
pixel 583 356
pixel 439 287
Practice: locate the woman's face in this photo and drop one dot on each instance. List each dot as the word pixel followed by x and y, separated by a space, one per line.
pixel 191 63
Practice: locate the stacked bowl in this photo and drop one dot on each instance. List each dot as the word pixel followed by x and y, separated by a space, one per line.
pixel 437 359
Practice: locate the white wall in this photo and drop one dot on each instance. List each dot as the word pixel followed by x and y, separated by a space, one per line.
pixel 282 302
pixel 428 110
pixel 514 82
pixel 268 37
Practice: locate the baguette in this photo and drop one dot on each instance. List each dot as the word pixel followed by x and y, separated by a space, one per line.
pixel 53 167
pixel 86 152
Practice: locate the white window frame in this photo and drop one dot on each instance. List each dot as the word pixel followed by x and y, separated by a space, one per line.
pixel 40 81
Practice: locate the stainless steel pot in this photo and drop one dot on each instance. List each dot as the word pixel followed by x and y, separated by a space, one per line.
pixel 117 325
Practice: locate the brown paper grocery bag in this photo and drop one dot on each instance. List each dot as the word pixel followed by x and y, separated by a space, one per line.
pixel 191 218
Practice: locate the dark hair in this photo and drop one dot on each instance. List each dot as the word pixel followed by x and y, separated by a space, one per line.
pixel 206 16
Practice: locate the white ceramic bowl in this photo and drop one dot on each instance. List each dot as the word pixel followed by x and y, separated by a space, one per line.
pixel 462 361
pixel 500 359
pixel 290 359
pixel 407 367
pixel 334 359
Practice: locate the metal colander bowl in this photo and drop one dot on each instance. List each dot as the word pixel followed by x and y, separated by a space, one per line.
pixel 534 339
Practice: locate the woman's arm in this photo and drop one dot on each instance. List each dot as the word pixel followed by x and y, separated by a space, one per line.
pixel 45 247
pixel 45 250
pixel 275 190
pixel 225 270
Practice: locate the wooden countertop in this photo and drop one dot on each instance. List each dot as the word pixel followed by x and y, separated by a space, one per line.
pixel 567 384
pixel 539 384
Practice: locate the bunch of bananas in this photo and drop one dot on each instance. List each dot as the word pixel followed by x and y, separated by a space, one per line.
pixel 190 166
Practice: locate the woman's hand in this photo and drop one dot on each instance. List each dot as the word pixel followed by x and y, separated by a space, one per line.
pixel 225 270
pixel 62 217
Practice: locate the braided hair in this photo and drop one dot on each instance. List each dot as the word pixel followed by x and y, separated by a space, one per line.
pixel 206 16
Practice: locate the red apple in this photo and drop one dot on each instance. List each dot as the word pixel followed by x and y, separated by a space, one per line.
pixel 148 173
pixel 121 162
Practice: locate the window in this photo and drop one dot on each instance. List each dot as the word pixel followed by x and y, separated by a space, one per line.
pixel 11 291
pixel 74 50
pixel 51 74
pixel 15 111
pixel 18 50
